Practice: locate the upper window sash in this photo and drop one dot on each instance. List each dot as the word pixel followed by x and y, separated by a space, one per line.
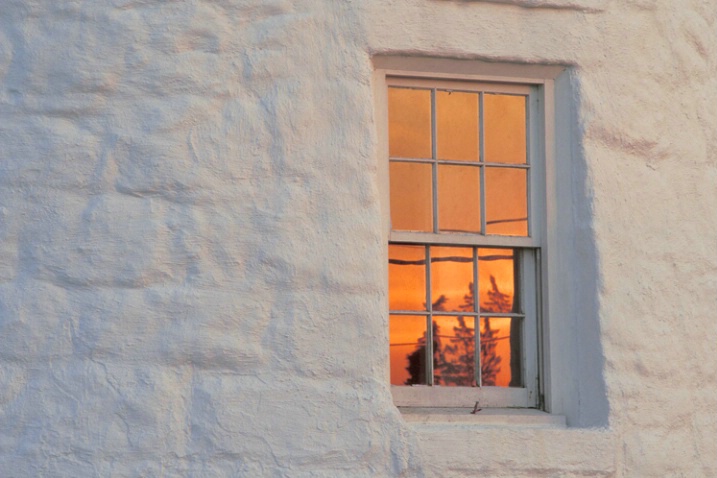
pixel 533 167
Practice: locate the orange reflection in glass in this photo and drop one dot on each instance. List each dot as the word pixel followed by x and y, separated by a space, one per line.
pixel 496 280
pixel 457 126
pixel 458 198
pixel 411 196
pixel 504 128
pixel 454 354
pixel 501 364
pixel 406 277
pixel 451 276
pixel 409 123
pixel 506 201
pixel 407 336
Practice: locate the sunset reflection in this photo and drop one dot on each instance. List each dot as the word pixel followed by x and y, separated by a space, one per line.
pixel 458 167
pixel 506 201
pixel 455 351
pixel 411 196
pixel 406 277
pixel 458 198
pixel 451 272
pixel 457 125
pixel 443 187
pixel 500 342
pixel 505 129
pixel 409 123
pixel 407 353
pixel 452 297
pixel 496 266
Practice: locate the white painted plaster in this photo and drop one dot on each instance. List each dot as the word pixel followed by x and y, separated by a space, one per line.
pixel 192 254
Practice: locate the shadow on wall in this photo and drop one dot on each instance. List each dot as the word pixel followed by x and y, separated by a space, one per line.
pixel 588 404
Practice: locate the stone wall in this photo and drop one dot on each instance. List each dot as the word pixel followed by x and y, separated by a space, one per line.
pixel 192 276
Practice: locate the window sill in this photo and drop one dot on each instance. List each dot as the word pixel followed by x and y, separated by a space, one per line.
pixel 492 417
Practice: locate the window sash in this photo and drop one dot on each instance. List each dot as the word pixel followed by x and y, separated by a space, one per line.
pixel 489 396
pixel 534 169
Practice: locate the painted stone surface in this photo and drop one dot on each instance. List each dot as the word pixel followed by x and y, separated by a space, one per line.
pixel 191 280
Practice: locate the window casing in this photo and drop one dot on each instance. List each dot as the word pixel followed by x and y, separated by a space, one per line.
pixel 467 212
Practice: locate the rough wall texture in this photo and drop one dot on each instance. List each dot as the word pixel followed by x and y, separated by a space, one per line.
pixel 189 234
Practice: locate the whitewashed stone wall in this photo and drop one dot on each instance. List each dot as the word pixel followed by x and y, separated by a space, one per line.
pixel 191 264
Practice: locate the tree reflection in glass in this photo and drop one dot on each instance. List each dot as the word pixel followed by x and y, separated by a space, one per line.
pixel 454 318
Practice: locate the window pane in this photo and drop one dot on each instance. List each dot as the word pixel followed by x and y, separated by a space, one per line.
pixel 406 277
pixel 457 126
pixel 501 363
pixel 407 348
pixel 454 354
pixel 409 123
pixel 504 128
pixel 458 198
pixel 506 201
pixel 411 196
pixel 452 278
pixel 497 280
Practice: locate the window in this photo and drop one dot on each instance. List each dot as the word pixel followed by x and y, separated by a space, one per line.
pixel 466 205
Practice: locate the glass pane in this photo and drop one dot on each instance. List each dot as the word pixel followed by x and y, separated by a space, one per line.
pixel 452 278
pixel 504 128
pixel 406 277
pixel 407 348
pixel 497 280
pixel 457 125
pixel 500 341
pixel 411 196
pixel 409 123
pixel 506 201
pixel 454 353
pixel 458 198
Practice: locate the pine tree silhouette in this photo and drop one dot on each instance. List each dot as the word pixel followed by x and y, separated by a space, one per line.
pixel 490 362
pixel 454 358
pixel 417 359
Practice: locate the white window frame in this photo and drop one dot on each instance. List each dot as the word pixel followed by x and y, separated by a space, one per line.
pixel 539 88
